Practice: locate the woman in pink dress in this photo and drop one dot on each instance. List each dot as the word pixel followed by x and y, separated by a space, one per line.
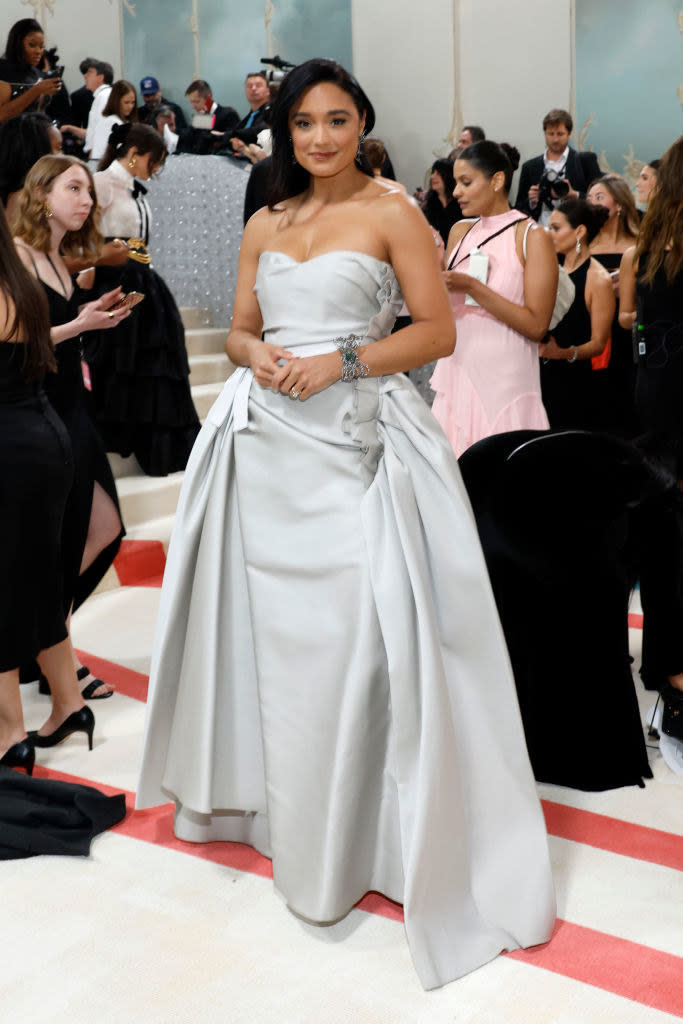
pixel 491 382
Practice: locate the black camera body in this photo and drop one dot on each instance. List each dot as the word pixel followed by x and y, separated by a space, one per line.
pixel 54 73
pixel 553 185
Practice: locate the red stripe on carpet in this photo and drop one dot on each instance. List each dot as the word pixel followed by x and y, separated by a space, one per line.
pixel 615 835
pixel 140 561
pixel 125 680
pixel 628 969
pixel 635 620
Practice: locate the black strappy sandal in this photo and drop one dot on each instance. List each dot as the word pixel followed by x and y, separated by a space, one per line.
pixel 87 692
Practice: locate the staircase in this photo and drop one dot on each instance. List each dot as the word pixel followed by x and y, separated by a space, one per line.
pixel 148 503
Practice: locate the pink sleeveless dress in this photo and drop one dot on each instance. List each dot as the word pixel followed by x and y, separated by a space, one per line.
pixel 491 383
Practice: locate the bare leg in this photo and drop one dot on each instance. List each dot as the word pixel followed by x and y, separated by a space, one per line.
pixel 57 664
pixel 82 683
pixel 11 714
pixel 104 526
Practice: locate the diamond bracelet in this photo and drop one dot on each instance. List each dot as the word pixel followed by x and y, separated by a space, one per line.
pixel 352 367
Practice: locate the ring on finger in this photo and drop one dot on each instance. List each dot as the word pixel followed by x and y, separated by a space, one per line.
pixel 293 393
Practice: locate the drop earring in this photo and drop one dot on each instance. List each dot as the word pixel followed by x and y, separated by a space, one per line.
pixel 131 163
pixel 578 246
pixel 361 140
pixel 48 211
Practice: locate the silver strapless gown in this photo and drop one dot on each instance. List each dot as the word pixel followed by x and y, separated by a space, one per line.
pixel 330 683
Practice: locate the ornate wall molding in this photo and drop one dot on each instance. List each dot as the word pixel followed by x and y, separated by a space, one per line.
pixel 41 8
pixel 194 28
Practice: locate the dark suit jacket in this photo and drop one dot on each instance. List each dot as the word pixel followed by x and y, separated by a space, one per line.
pixel 81 102
pixel 201 141
pixel 146 116
pixel 581 169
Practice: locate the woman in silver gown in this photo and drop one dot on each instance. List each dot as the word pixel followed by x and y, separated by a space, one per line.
pixel 330 683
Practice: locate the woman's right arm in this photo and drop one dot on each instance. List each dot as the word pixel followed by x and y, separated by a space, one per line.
pixel 627 289
pixel 11 107
pixel 93 316
pixel 244 344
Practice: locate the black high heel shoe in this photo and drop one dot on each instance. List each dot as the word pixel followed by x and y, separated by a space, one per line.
pixel 82 720
pixel 21 755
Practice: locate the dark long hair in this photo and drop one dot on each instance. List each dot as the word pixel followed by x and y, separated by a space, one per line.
pixel 124 136
pixel 23 140
pixel 490 157
pixel 14 50
pixel 580 211
pixel 31 320
pixel 662 224
pixel 289 178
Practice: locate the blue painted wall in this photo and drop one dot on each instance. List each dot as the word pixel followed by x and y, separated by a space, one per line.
pixel 628 70
pixel 232 39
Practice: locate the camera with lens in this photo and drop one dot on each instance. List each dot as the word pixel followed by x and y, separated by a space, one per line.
pixel 553 185
pixel 55 73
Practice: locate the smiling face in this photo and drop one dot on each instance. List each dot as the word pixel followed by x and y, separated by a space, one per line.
pixel 126 104
pixel 69 199
pixel 563 235
pixel 325 126
pixel 475 193
pixel 33 45
pixel 647 179
pixel 152 99
pixel 256 90
pixel 556 139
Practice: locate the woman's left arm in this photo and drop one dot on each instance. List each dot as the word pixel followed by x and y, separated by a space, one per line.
pixel 540 287
pixel 627 289
pixel 431 335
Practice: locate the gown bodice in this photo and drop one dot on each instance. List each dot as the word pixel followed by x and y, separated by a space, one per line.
pixel 306 306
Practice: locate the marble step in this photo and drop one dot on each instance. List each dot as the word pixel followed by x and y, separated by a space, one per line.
pixel 204 341
pixel 193 316
pixel 210 369
pixel 145 498
pixel 152 529
pixel 204 395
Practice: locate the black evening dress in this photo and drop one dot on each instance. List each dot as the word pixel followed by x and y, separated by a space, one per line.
pixel 139 369
pixel 659 382
pixel 67 394
pixel 568 388
pixel 36 470
pixel 615 385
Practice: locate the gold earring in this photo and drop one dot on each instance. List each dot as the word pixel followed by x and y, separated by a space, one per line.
pixel 131 163
pixel 578 246
pixel 48 211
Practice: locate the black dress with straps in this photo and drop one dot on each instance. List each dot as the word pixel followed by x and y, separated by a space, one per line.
pixel 36 470
pixel 66 391
pixel 567 387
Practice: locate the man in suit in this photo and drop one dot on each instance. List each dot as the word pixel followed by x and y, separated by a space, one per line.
pixel 150 90
pixel 211 121
pixel 573 171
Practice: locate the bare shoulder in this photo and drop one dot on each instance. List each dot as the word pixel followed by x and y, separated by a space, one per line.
pixel 26 254
pixel 599 275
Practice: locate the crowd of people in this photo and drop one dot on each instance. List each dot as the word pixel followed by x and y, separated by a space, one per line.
pixel 326 589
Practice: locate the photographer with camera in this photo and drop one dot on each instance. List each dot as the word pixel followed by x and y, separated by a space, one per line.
pixel 559 173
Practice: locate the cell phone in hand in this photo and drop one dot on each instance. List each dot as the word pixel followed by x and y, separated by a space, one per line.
pixel 127 301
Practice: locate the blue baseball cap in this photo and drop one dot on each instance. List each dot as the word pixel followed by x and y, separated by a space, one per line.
pixel 148 85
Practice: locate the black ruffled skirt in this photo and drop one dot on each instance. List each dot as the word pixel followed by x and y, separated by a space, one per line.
pixel 140 375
